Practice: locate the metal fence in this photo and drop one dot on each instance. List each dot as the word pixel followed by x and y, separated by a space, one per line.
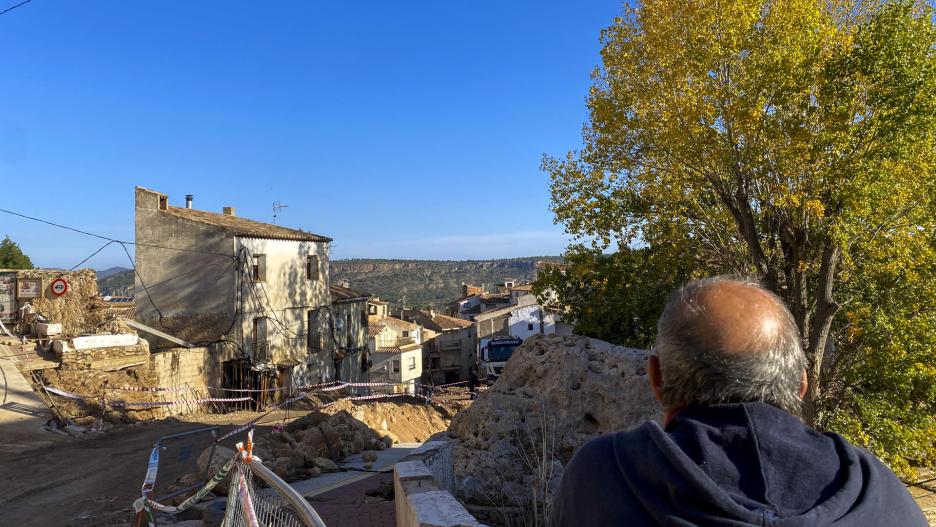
pixel 178 456
pixel 440 459
pixel 259 497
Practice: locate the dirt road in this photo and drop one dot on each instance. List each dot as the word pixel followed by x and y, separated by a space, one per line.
pixel 88 481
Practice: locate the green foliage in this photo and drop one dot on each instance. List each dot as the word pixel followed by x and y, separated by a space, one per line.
pixel 12 257
pixel 613 297
pixel 794 141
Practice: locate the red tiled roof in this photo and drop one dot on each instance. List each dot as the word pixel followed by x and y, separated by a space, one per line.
pixel 447 322
pixel 345 294
pixel 244 227
pixel 374 330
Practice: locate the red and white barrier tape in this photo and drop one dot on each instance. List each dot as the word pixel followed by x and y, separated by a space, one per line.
pixel 250 515
pixel 171 403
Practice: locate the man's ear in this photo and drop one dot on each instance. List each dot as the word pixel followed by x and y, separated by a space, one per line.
pixel 804 385
pixel 656 376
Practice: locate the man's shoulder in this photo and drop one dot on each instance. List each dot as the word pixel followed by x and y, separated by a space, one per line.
pixel 608 447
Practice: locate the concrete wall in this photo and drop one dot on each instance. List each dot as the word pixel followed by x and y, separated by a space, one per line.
pixel 189 272
pixel 422 500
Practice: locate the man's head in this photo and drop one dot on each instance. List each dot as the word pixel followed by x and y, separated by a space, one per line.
pixel 723 340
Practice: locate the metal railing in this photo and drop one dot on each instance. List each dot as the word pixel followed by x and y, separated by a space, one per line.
pixel 260 498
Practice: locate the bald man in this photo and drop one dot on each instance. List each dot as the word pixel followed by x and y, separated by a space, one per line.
pixel 729 370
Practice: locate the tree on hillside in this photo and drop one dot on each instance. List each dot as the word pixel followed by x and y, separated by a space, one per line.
pixel 12 257
pixel 793 141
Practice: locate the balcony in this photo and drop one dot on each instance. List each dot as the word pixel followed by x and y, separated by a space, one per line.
pixel 400 342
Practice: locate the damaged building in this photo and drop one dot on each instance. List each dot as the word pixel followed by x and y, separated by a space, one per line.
pixel 256 294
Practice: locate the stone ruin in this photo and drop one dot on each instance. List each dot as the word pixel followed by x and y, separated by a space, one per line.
pixel 555 394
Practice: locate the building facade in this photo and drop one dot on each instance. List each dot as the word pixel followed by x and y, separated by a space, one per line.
pixel 257 294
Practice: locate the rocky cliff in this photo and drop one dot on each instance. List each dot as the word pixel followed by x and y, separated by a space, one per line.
pixel 555 394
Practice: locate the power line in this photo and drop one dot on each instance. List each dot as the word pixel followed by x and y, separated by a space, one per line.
pixel 7 10
pixel 115 240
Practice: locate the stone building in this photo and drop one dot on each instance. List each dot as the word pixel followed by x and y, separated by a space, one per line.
pixel 449 350
pixel 396 351
pixel 252 291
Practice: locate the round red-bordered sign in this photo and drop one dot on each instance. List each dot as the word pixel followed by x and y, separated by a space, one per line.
pixel 59 286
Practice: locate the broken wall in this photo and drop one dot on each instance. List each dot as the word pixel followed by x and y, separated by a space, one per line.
pixel 75 309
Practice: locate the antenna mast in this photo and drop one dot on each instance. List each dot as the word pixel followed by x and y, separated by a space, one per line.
pixel 277 206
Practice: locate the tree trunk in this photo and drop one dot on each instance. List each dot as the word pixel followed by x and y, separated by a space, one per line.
pixel 826 308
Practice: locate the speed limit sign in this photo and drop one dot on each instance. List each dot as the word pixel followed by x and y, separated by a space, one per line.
pixel 59 286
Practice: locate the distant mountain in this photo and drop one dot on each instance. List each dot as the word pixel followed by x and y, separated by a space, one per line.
pixel 118 283
pixel 435 283
pixel 413 283
pixel 109 272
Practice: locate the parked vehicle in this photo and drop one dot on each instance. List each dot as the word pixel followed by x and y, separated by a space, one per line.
pixel 495 354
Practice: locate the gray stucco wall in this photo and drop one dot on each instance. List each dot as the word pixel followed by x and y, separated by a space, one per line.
pixel 194 290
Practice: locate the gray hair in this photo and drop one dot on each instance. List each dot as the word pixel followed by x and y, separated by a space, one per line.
pixel 696 374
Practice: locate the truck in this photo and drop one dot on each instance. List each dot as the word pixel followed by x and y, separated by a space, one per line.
pixel 495 354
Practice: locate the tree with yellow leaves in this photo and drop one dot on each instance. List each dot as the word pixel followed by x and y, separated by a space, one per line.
pixel 793 140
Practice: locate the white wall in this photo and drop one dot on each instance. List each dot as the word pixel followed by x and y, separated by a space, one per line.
pixel 285 297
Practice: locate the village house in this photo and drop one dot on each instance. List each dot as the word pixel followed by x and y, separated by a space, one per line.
pixel 395 348
pixel 521 320
pixel 449 347
pixel 256 293
pixel 476 300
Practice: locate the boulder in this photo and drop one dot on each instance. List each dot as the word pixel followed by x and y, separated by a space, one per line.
pixel 325 464
pixel 369 456
pixel 575 388
pixel 210 464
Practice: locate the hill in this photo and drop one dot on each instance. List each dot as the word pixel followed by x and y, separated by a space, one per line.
pixel 423 283
pixel 116 281
pixel 415 283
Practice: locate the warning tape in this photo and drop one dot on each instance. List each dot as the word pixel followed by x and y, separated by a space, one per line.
pixel 148 389
pixel 192 500
pixel 253 422
pixel 250 515
pixel 377 396
pixel 171 403
pixel 70 395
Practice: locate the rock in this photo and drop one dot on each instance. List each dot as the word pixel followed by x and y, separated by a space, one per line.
pixel 325 464
pixel 212 512
pixel 575 387
pixel 282 467
pixel 387 441
pixel 368 465
pixel 369 456
pixel 314 471
pixel 75 430
pixel 221 456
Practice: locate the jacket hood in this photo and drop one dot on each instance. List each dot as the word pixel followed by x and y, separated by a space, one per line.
pixel 754 464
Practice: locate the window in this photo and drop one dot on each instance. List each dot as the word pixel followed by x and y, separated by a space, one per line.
pixel 396 365
pixel 259 268
pixel 312 267
pixel 348 329
pixel 372 309
pixel 363 317
pixel 163 202
pixel 530 326
pixel 405 334
pixel 412 363
pixel 260 344
pixel 313 334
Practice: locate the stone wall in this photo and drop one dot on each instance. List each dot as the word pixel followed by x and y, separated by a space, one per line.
pixel 74 309
pixel 420 493
pixel 195 368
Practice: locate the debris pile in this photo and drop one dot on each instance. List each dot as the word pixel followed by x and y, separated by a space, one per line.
pixel 93 383
pixel 402 422
pixel 555 393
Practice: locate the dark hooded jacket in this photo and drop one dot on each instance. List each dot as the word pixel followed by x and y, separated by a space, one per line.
pixel 733 465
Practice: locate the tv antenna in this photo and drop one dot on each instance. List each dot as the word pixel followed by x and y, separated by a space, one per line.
pixel 277 206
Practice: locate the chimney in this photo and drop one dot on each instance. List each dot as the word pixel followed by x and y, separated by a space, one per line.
pixel 431 313
pixel 229 211
pixel 188 201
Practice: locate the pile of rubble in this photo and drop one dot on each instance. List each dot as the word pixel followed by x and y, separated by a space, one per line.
pixel 555 394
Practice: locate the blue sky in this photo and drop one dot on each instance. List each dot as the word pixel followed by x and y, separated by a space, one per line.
pixel 402 130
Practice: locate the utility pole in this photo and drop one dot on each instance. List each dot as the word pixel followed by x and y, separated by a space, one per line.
pixel 277 206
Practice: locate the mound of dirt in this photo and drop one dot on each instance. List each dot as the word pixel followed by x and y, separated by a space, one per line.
pixel 92 383
pixel 555 393
pixel 403 422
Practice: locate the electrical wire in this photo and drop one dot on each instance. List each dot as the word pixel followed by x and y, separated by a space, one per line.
pixel 7 10
pixel 115 240
pixel 106 245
